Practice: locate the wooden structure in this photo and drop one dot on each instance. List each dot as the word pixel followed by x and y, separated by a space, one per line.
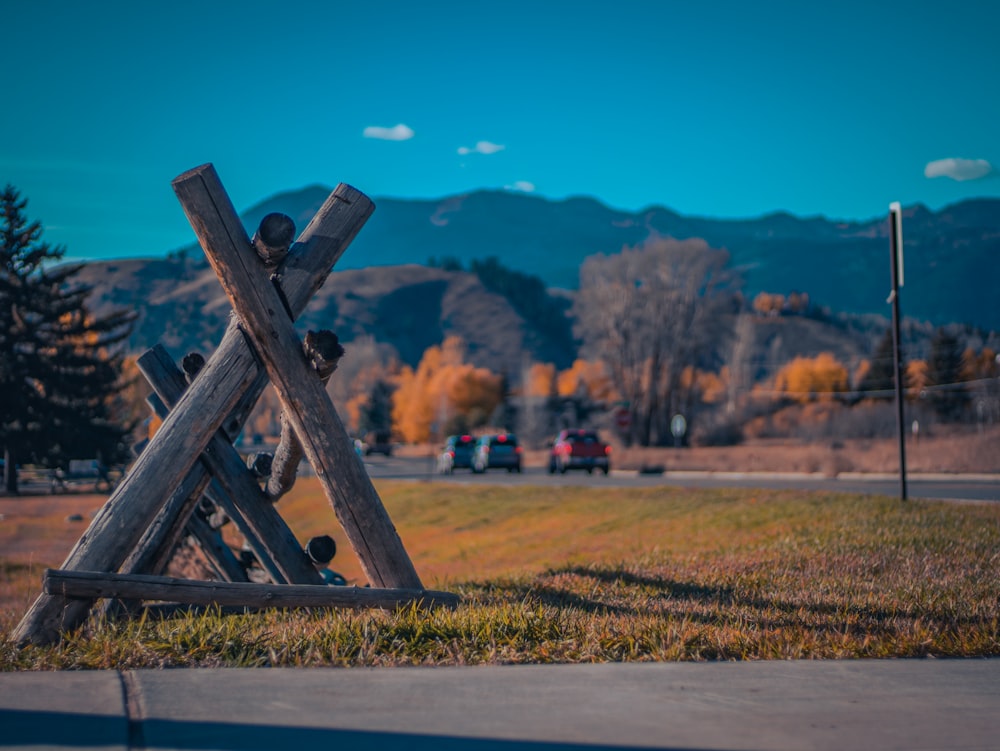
pixel 269 281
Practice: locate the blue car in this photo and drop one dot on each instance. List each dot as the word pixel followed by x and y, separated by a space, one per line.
pixel 497 452
pixel 457 453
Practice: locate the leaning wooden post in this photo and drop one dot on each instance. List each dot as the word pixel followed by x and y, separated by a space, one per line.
pixel 304 398
pixel 229 373
pixel 240 496
pixel 152 554
pixel 324 352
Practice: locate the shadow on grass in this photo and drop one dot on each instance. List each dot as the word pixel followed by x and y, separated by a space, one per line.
pixel 765 612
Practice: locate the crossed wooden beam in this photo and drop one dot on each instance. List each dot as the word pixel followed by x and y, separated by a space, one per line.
pixel 192 452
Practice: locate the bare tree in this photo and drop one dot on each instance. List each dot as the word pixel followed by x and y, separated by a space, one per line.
pixel 650 312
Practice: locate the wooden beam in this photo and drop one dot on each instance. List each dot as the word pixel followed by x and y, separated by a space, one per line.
pixel 303 396
pixel 324 352
pixel 91 585
pixel 219 556
pixel 227 376
pixel 241 497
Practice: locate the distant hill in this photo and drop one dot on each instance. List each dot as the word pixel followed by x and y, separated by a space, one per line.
pixel 381 289
pixel 182 306
pixel 951 255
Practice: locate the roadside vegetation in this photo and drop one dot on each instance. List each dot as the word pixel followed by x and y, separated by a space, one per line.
pixel 601 574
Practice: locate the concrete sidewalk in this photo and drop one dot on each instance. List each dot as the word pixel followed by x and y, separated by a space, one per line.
pixel 893 704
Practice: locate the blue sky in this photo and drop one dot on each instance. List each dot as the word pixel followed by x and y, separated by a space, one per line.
pixel 725 109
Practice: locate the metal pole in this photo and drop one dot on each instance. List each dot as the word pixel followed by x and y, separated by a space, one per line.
pixel 896 242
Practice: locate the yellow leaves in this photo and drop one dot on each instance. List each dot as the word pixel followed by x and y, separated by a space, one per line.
pixel 808 378
pixel 917 375
pixel 768 304
pixel 441 387
pixel 979 366
pixel 541 380
pixel 589 376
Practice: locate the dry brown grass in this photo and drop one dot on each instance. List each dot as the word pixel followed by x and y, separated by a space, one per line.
pixel 599 574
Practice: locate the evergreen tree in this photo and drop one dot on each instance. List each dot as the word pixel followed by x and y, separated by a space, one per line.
pixel 880 380
pixel 59 366
pixel 944 375
pixel 376 413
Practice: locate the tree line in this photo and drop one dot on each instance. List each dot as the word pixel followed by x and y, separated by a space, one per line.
pixel 60 365
pixel 661 329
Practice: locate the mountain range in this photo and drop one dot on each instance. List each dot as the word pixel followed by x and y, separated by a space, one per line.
pixel 384 287
pixel 951 255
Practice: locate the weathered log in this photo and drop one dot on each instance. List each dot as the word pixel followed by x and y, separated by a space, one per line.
pixel 175 448
pixel 90 585
pixel 273 237
pixel 323 350
pixel 321 549
pixel 192 364
pixel 239 495
pixel 218 554
pixel 303 396
pixel 260 464
pixel 154 551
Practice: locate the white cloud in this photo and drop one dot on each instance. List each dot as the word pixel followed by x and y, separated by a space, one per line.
pixel 482 147
pixel 958 169
pixel 521 185
pixel 396 133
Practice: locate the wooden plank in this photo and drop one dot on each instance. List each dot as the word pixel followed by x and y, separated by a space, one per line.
pixel 228 375
pixel 90 585
pixel 303 396
pixel 239 494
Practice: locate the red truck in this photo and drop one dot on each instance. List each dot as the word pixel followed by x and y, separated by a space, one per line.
pixel 579 449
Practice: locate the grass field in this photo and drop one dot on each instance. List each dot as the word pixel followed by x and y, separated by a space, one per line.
pixel 602 574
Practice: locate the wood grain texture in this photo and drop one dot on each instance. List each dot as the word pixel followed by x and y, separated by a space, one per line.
pixel 89 585
pixel 303 397
pixel 239 494
pixel 119 526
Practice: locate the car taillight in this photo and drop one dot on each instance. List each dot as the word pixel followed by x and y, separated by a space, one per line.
pixel 451 454
pixel 518 450
pixel 607 451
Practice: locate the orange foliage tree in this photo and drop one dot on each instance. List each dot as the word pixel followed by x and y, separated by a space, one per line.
pixel 442 387
pixel 541 380
pixel 916 377
pixel 589 376
pixel 808 378
pixel 766 303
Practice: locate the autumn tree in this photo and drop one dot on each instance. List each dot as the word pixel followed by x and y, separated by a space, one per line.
pixel 589 377
pixel 767 304
pixel 443 391
pixel 649 312
pixel 60 366
pixel 810 378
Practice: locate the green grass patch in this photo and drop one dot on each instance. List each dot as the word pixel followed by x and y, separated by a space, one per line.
pixel 605 574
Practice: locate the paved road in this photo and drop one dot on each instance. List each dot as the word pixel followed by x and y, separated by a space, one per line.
pixel 892 704
pixel 949 487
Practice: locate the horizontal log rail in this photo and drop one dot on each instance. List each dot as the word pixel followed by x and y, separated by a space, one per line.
pixel 91 584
